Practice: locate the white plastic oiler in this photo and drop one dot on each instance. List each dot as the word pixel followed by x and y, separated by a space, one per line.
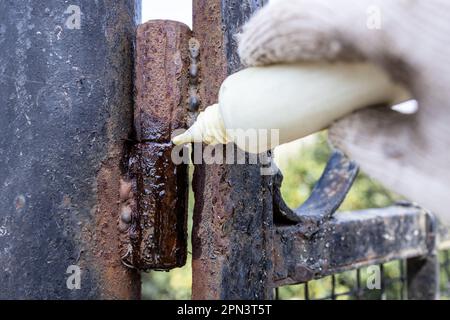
pixel 285 102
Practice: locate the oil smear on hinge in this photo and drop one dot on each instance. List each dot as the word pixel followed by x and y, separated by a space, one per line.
pixel 153 219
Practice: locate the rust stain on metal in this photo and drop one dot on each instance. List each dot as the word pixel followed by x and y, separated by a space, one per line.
pixel 207 16
pixel 100 256
pixel 232 223
pixel 208 30
pixel 348 241
pixel 122 282
pixel 154 206
pixel 161 79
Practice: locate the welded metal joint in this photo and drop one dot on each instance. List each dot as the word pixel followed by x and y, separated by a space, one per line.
pixel 326 196
pixel 431 223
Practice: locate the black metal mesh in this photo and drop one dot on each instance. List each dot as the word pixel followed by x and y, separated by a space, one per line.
pixel 353 285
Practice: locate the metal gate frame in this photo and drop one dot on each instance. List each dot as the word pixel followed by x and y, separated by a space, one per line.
pixel 241 252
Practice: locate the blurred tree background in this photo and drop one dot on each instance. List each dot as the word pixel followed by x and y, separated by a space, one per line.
pixel 301 164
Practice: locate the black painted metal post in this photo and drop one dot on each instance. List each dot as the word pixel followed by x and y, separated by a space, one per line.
pixel 65 111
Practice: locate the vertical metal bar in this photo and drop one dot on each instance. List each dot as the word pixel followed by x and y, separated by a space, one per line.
pixel 358 284
pixel 446 266
pixel 66 109
pixel 383 283
pixel 233 214
pixel 423 272
pixel 333 287
pixel 423 278
pixel 446 263
pixel 402 279
pixel 306 291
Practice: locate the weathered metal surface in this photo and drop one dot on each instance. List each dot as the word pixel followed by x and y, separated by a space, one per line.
pixel 326 196
pixel 233 216
pixel 161 79
pixel 348 241
pixel 66 110
pixel 155 219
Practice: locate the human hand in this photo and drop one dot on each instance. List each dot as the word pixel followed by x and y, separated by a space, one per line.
pixel 411 39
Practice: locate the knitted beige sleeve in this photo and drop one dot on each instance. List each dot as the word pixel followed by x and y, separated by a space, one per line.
pixel 400 33
pixel 293 30
pixel 411 39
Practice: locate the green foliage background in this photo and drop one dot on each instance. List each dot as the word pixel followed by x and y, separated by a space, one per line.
pixel 300 173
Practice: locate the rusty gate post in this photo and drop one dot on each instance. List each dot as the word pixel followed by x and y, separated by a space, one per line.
pixel 233 215
pixel 66 110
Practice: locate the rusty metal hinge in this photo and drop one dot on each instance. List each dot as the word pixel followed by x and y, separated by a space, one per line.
pixel 153 221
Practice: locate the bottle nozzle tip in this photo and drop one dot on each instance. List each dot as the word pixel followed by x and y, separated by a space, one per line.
pixel 182 138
